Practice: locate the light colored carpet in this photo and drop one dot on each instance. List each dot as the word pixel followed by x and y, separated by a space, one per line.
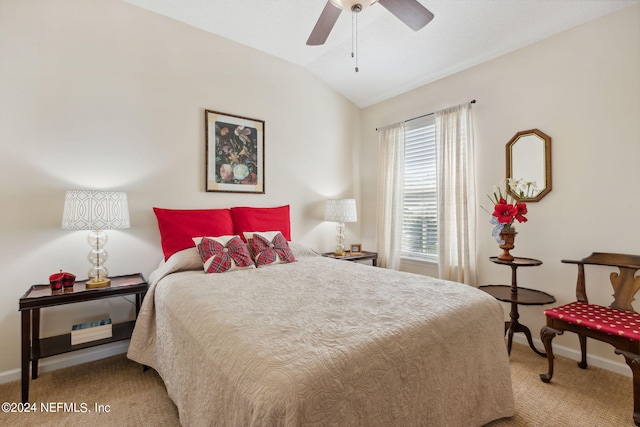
pixel 135 398
pixel 575 397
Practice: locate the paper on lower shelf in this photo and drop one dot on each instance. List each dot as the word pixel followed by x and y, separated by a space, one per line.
pixel 90 331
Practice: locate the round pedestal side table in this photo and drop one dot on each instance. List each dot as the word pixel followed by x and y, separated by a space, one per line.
pixel 518 296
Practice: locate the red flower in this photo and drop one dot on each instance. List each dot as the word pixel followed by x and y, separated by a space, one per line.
pixel 507 205
pixel 521 211
pixel 505 212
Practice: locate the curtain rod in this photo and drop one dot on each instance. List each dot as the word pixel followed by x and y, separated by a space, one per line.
pixel 473 101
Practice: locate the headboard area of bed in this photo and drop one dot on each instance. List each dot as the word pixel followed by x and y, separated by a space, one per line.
pixel 178 227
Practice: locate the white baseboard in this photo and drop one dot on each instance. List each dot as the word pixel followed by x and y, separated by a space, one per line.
pixel 70 359
pixel 616 367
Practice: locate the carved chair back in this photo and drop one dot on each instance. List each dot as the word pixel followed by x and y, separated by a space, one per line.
pixel 625 284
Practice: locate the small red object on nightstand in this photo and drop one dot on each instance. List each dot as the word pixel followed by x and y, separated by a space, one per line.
pixel 62 279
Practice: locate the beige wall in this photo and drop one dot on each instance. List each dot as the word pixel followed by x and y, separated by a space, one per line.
pixel 102 94
pixel 581 87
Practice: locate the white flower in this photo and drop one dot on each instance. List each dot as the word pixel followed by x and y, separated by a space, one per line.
pixel 523 189
pixel 240 171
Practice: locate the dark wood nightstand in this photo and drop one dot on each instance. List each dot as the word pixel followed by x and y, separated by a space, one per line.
pixel 373 256
pixel 41 296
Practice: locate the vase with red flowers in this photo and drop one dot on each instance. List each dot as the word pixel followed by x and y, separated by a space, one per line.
pixel 507 208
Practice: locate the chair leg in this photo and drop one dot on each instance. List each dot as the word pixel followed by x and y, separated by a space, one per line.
pixel 547 334
pixel 583 349
pixel 633 360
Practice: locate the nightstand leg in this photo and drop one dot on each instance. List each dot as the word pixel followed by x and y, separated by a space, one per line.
pixel 26 353
pixel 138 303
pixel 35 342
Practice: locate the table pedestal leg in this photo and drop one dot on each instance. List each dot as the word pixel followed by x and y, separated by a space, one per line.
pixel 514 326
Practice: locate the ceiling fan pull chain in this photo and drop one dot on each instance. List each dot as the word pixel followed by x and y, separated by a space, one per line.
pixel 356 43
pixel 353 18
pixel 354 33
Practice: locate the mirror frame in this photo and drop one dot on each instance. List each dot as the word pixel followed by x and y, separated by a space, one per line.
pixel 547 160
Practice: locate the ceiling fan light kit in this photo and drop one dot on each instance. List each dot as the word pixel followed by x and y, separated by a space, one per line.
pixel 411 12
pixel 353 5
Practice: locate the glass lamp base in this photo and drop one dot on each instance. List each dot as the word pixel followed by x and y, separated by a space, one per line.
pixel 98 274
pixel 340 227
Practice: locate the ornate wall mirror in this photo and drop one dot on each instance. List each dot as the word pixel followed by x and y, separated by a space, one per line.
pixel 529 159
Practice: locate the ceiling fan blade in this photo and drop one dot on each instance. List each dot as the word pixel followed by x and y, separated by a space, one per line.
pixel 411 12
pixel 325 24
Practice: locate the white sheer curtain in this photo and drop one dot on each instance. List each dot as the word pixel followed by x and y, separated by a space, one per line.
pixel 391 190
pixel 456 195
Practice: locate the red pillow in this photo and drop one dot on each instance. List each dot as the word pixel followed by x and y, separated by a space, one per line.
pixel 178 227
pixel 261 219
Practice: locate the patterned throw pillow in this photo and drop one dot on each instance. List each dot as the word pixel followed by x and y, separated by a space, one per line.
pixel 269 248
pixel 221 254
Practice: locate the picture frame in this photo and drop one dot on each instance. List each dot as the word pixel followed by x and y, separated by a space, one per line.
pixel 355 249
pixel 234 153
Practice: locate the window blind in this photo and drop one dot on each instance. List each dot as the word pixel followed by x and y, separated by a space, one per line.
pixel 420 204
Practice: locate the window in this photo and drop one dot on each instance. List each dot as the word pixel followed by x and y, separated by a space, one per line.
pixel 420 205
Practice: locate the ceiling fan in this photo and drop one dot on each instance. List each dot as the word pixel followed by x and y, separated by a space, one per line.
pixel 411 12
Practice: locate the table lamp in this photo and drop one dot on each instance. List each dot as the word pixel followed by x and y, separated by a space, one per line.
pixel 96 211
pixel 340 211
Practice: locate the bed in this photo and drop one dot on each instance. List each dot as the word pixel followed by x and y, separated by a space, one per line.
pixel 320 341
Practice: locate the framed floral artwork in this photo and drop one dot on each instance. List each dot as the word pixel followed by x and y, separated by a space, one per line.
pixel 234 153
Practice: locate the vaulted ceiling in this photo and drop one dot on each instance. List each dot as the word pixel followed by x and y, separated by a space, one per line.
pixel 392 58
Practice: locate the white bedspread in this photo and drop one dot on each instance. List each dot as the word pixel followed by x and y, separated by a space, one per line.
pixel 323 342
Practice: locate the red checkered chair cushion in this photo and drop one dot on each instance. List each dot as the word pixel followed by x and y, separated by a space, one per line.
pixel 606 319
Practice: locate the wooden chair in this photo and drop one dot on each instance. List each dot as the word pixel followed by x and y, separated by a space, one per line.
pixel 617 324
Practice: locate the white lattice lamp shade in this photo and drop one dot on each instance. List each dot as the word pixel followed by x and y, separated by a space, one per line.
pixel 340 211
pixel 96 211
